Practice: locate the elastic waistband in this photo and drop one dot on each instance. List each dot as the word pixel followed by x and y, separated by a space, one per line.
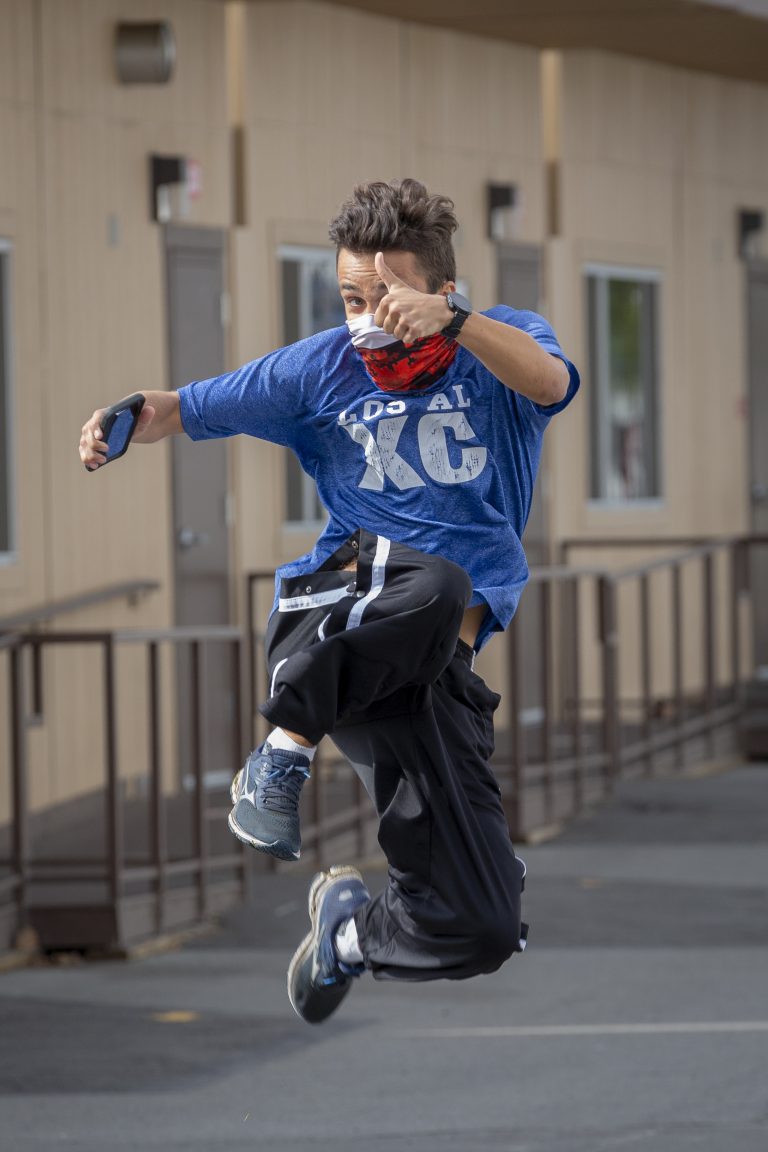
pixel 465 653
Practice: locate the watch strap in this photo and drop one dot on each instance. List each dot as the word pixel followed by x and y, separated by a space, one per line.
pixel 456 323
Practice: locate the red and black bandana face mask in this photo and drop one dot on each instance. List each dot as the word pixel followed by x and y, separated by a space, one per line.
pixel 413 367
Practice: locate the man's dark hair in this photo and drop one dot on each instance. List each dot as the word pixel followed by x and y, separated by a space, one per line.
pixel 400 217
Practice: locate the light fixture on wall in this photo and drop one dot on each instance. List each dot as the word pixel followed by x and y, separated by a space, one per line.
pixel 145 53
pixel 165 173
pixel 502 200
pixel 750 223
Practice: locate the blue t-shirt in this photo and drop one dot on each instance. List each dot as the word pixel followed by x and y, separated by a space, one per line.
pixel 448 471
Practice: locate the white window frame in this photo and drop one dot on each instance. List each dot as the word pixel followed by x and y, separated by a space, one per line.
pixel 599 372
pixel 9 555
pixel 308 257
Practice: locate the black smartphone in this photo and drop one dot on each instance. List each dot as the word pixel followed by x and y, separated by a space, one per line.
pixel 118 426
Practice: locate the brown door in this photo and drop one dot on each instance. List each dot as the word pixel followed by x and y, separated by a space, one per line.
pixel 757 312
pixel 196 340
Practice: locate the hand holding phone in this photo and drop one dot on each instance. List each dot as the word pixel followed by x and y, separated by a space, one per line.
pixel 117 425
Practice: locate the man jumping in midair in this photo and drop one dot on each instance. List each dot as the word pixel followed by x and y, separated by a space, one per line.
pixel 421 422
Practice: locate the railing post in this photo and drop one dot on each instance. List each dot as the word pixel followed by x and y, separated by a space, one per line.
pixel 546 699
pixel 113 821
pixel 708 599
pixel 738 582
pixel 243 722
pixel 645 666
pixel 157 832
pixel 198 743
pixel 578 732
pixel 252 685
pixel 240 677
pixel 37 680
pixel 517 754
pixel 19 780
pixel 677 660
pixel 609 640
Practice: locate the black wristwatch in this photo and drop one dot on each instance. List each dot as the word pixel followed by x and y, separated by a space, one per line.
pixel 461 308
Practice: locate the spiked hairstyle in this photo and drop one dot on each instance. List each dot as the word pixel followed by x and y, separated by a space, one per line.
pixel 400 216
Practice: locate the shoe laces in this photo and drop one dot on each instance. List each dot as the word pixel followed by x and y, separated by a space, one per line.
pixel 279 785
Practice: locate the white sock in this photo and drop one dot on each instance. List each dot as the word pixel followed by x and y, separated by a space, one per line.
pixel 347 944
pixel 278 739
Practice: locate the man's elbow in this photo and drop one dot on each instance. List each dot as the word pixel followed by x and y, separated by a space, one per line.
pixel 554 387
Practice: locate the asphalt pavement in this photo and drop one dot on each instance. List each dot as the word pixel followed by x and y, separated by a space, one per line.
pixel 636 1021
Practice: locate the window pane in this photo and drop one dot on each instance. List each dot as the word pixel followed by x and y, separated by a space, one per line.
pixel 293 489
pixel 291 270
pixel 6 542
pixel 326 308
pixel 627 476
pixel 623 354
pixel 596 455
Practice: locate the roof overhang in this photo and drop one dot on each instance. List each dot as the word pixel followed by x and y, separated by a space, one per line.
pixel 727 37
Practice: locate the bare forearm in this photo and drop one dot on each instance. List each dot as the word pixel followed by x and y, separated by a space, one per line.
pixel 160 417
pixel 515 358
pixel 166 420
pixel 510 354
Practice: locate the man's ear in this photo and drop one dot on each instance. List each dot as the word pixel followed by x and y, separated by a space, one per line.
pixel 448 286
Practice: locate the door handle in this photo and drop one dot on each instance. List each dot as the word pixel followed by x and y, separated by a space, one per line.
pixel 188 538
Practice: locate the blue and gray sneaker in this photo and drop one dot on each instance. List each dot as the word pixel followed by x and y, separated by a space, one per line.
pixel 265 794
pixel 317 980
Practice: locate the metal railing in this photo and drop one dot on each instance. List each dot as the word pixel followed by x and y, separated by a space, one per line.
pixel 13 882
pixel 655 679
pixel 131 858
pixel 130 590
pixel 13 641
pixel 124 877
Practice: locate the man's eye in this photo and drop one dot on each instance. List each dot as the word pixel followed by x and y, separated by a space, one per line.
pixel 354 301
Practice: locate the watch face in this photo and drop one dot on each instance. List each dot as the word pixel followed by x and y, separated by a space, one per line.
pixel 457 302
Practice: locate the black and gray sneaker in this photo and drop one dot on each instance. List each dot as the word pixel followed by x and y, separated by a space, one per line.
pixel 265 794
pixel 317 980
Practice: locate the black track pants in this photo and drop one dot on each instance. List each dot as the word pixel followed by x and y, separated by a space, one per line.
pixel 373 659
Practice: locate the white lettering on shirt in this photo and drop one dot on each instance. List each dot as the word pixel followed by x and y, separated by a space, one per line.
pixel 439 463
pixel 439 403
pixel 462 400
pixel 433 446
pixel 372 408
pixel 381 456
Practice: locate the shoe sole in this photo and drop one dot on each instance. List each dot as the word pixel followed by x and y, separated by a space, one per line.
pixel 308 943
pixel 277 848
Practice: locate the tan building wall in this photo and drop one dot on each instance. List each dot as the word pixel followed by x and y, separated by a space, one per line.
pixel 88 301
pixel 653 165
pixel 89 307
